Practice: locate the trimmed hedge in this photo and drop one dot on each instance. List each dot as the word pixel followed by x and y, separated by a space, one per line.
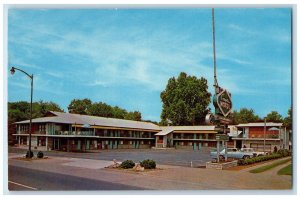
pixel 281 153
pixel 148 164
pixel 127 164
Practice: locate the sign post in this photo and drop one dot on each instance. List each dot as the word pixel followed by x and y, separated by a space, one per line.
pixel 223 105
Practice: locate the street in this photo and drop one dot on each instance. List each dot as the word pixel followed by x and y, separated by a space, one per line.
pixel 24 179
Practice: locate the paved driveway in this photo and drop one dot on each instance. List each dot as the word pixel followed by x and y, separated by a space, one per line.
pixel 166 157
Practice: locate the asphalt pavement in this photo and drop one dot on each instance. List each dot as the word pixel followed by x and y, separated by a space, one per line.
pixel 174 157
pixel 24 179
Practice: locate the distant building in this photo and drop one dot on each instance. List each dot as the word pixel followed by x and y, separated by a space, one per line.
pixel 252 135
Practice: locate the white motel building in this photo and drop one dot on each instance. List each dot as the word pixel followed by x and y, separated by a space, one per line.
pixel 74 132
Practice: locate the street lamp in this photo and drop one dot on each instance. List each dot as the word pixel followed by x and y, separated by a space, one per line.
pixel 12 71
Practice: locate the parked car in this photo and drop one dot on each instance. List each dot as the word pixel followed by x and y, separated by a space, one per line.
pixel 232 153
pixel 255 153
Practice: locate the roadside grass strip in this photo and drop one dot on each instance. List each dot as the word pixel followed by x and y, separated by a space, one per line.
pixel 270 166
pixel 285 170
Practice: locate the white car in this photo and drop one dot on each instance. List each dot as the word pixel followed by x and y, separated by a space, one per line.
pixel 232 153
pixel 250 150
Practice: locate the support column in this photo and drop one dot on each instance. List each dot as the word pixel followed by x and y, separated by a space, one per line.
pixel 195 144
pixel 47 144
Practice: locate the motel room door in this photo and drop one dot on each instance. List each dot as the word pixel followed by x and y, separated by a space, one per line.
pixel 56 144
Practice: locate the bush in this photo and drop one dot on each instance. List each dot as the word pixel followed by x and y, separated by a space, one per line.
pixel 40 154
pixel 127 164
pixel 29 156
pixel 284 152
pixel 148 164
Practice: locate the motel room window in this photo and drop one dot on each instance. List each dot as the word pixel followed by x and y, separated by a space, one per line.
pixel 121 142
pixel 42 128
pixel 142 142
pixel 24 128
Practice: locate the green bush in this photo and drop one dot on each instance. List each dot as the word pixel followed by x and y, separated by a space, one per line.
pixel 127 164
pixel 283 152
pixel 148 164
pixel 29 155
pixel 40 154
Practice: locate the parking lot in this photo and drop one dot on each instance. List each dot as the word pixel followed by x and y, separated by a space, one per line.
pixel 167 157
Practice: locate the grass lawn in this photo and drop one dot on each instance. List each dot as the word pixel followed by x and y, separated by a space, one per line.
pixel 285 170
pixel 270 166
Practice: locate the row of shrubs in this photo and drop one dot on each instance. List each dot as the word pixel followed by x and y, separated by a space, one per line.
pixel 40 154
pixel 279 154
pixel 147 164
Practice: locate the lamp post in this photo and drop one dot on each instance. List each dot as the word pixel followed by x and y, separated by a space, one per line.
pixel 13 70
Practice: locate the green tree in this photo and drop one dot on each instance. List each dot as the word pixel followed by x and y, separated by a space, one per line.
pixel 18 111
pixel 288 120
pixel 80 106
pixel 136 116
pixel 185 100
pixel 119 112
pixel 100 109
pixel 44 107
pixel 244 116
pixel 274 116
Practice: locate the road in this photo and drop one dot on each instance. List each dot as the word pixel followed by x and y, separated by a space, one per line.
pixel 24 179
pixel 165 157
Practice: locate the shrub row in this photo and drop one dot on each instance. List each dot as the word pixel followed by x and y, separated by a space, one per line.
pixel 147 164
pixel 281 153
pixel 40 154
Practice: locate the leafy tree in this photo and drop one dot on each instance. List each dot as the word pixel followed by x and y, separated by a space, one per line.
pixel 100 109
pixel 185 100
pixel 136 115
pixel 18 111
pixel 44 107
pixel 119 112
pixel 80 106
pixel 274 116
pixel 288 120
pixel 244 116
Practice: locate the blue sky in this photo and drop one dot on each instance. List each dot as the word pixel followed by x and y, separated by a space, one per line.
pixel 125 57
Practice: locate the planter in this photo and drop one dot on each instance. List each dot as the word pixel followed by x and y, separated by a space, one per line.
pixel 221 165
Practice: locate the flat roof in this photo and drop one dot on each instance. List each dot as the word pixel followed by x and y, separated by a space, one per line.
pixel 260 124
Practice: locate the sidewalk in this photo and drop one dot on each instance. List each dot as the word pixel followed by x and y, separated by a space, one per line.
pixel 164 178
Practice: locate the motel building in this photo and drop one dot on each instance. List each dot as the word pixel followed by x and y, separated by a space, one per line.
pixel 74 132
pixel 252 135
